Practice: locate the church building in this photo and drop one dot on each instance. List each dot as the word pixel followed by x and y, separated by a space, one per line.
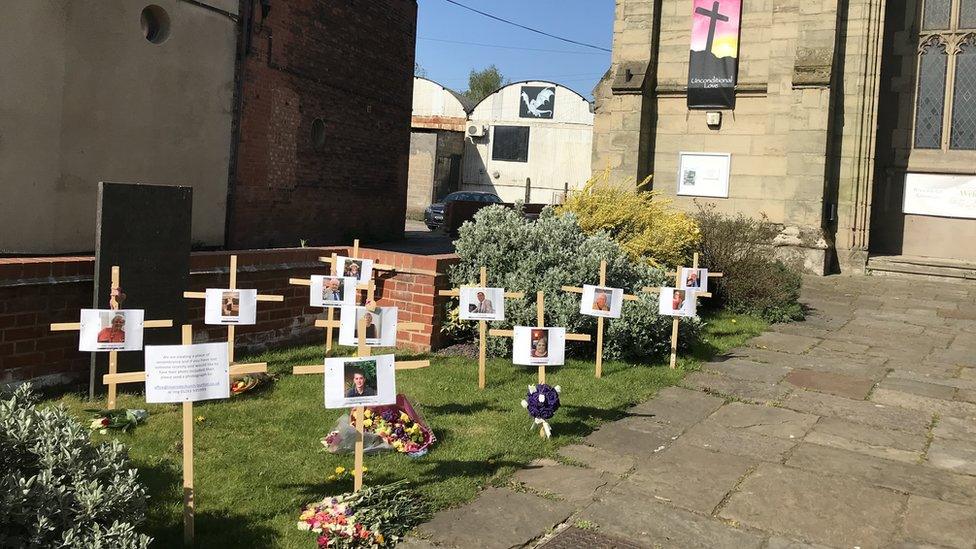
pixel 851 124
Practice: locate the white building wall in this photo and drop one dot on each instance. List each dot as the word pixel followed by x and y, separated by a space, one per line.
pixel 431 99
pixel 560 148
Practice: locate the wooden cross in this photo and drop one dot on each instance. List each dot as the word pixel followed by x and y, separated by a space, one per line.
pixel 188 497
pixel 674 324
pixel 599 319
pixel 540 306
pixel 482 325
pixel 253 368
pixel 113 357
pixel 328 323
pixel 362 350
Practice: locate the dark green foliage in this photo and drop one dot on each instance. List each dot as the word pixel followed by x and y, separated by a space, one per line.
pixel 754 282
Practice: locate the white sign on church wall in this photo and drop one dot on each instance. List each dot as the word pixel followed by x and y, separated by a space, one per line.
pixel 940 195
pixel 704 174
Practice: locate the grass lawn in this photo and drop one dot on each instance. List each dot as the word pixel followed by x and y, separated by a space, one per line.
pixel 258 457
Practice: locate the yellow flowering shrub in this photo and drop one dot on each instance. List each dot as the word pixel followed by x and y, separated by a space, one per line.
pixel 645 225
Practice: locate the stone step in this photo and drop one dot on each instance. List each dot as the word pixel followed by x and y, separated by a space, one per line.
pixel 926 267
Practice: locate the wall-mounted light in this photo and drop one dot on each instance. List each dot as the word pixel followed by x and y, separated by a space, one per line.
pixel 713 119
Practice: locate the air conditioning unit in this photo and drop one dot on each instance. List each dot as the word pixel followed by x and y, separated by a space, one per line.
pixel 476 130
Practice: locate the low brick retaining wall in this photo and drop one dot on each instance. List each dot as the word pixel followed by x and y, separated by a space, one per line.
pixel 34 292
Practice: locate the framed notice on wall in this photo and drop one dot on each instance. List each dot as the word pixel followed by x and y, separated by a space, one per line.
pixel 704 174
pixel 940 195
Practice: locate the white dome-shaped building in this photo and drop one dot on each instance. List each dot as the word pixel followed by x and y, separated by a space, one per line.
pixel 436 143
pixel 529 141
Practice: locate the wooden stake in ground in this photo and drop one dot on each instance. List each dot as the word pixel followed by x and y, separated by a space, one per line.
pixel 674 323
pixel 189 499
pixel 329 322
pixel 540 306
pixel 482 324
pixel 599 319
pixel 253 368
pixel 115 302
pixel 363 351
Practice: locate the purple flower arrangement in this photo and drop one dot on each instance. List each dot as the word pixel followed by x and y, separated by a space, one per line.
pixel 542 401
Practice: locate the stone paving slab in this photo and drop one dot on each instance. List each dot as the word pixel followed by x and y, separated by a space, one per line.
pixel 858 411
pixel 787 343
pixel 764 420
pixel 690 477
pixel 625 511
pixel 598 458
pixel 678 406
pixel 956 427
pixel 933 521
pixel 577 538
pixel 914 479
pixel 959 383
pixel 923 404
pixel 497 519
pixel 920 388
pixel 754 391
pixel 713 436
pixel 574 484
pixel 620 438
pixel 856 388
pixel 873 441
pixel 954 455
pixel 746 369
pixel 833 511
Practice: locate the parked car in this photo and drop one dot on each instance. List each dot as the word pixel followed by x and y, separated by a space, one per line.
pixel 434 214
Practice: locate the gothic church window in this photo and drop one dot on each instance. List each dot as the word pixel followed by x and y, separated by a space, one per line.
pixel 945 101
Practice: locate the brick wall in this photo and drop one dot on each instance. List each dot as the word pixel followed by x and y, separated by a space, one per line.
pixel 35 292
pixel 348 64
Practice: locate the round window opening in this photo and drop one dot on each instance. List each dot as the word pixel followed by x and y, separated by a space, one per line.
pixel 318 133
pixel 155 24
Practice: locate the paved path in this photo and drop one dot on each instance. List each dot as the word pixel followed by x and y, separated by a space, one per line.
pixel 855 428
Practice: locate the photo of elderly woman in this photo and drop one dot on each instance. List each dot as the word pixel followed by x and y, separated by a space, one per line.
pixel 114 328
pixel 675 302
pixel 694 279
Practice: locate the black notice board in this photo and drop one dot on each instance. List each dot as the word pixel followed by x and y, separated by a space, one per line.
pixel 145 230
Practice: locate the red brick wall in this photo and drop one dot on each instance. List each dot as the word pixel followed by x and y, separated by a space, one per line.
pixel 35 292
pixel 351 65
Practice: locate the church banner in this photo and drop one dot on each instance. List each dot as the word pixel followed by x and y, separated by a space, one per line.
pixel 714 53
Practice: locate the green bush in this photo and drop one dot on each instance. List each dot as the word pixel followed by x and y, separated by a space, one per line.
pixel 646 226
pixel 754 282
pixel 524 256
pixel 58 489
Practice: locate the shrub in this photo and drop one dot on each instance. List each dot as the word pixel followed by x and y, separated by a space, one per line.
pixel 644 224
pixel 754 282
pixel 58 489
pixel 554 251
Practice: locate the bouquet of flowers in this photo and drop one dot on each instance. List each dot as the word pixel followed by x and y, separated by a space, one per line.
pixel 249 382
pixel 542 401
pixel 376 516
pixel 399 427
pixel 122 419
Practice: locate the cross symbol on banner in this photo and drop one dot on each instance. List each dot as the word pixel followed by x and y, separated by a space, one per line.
pixel 714 16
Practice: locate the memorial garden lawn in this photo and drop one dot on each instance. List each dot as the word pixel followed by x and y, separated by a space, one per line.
pixel 259 459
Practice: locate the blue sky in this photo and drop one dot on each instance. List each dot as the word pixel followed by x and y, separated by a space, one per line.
pixel 448 63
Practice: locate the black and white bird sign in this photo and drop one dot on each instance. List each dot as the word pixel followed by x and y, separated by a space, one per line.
pixel 537 101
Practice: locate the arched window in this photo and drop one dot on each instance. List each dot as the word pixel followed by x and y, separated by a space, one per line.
pixel 945 101
pixel 964 96
pixel 930 102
